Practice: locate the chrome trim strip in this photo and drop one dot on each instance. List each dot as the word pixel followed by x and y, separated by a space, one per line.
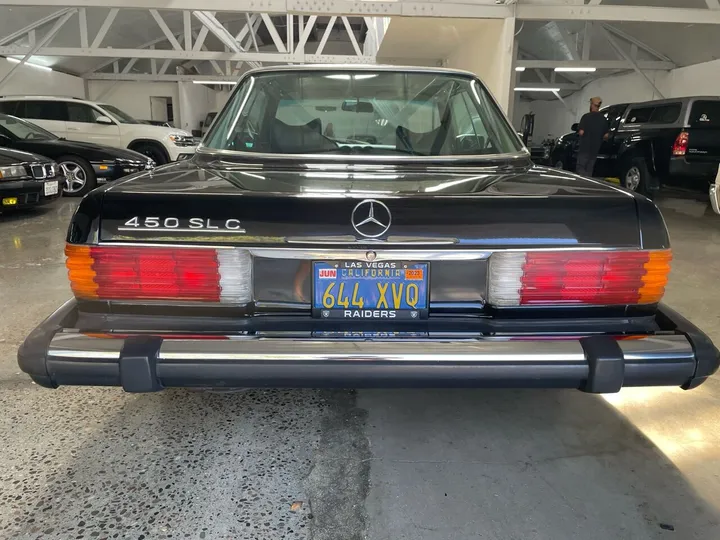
pixel 380 254
pixel 285 349
pixel 181 229
pixel 71 344
pixel 391 240
pixel 656 348
pixel 75 345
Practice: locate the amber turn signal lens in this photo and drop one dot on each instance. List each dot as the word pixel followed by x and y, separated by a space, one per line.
pixel 657 270
pixel 79 263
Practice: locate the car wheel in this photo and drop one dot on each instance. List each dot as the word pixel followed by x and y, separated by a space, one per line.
pixel 151 151
pixel 559 165
pixel 635 176
pixel 79 176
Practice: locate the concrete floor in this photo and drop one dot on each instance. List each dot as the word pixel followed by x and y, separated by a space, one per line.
pixel 346 465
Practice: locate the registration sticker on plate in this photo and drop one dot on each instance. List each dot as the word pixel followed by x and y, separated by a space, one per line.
pixel 370 290
pixel 51 188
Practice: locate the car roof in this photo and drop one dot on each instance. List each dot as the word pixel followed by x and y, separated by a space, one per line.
pixel 359 67
pixel 26 97
pixel 683 99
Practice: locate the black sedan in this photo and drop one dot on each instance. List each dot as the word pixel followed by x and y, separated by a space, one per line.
pixel 27 179
pixel 395 249
pixel 84 165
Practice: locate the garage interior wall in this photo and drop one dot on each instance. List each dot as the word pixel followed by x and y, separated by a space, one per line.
pixel 481 46
pixel 134 97
pixel 488 54
pixel 196 100
pixel 39 81
pixel 553 119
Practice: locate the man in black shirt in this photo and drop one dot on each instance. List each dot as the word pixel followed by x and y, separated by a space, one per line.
pixel 593 129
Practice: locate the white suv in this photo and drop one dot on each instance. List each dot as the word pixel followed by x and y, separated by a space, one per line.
pixel 80 120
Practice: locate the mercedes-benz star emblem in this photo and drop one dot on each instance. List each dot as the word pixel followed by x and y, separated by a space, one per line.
pixel 371 218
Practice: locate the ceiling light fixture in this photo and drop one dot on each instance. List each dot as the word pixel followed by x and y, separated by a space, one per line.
pixel 576 69
pixel 230 83
pixel 38 66
pixel 528 89
pixel 520 68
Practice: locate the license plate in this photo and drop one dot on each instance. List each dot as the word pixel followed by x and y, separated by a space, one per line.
pixel 368 335
pixel 9 201
pixel 384 290
pixel 51 188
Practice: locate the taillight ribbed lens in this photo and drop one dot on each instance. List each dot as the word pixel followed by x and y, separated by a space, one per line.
pixel 158 273
pixel 578 278
pixel 681 144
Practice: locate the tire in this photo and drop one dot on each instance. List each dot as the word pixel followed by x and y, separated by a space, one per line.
pixel 153 151
pixel 635 176
pixel 79 176
pixel 559 165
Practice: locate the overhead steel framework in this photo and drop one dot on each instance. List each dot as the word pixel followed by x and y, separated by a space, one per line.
pixel 289 42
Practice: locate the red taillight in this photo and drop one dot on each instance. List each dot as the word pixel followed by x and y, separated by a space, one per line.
pixel 578 278
pixel 681 144
pixel 158 273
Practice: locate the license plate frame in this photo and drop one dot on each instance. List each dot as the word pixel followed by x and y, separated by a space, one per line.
pixel 51 188
pixel 395 291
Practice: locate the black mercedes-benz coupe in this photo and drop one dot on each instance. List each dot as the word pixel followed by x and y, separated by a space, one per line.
pixel 365 226
pixel 84 165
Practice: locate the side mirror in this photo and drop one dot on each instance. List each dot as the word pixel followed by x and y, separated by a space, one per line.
pixel 104 120
pixel 575 127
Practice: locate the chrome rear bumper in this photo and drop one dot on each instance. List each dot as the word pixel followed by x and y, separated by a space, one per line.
pixel 679 356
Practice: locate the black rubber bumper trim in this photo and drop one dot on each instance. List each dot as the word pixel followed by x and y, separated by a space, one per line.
pixel 32 354
pixel 707 357
pixel 138 360
pixel 606 364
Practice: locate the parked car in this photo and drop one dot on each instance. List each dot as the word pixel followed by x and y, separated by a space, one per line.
pixel 84 165
pixel 87 121
pixel 27 179
pixel 205 126
pixel 665 143
pixel 282 257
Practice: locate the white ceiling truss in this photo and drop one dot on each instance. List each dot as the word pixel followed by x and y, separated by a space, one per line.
pixel 188 45
pixel 289 27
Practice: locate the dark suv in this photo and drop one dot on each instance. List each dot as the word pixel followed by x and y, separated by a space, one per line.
pixel 670 142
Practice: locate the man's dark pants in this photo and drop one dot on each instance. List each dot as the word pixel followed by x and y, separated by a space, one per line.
pixel 585 164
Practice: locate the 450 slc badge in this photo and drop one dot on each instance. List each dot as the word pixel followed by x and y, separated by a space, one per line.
pixel 173 224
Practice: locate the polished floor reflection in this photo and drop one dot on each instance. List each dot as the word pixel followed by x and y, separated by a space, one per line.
pixel 341 465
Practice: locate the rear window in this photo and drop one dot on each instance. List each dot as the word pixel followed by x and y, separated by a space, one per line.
pixel 665 114
pixel 7 107
pixel 705 114
pixel 45 110
pixel 639 115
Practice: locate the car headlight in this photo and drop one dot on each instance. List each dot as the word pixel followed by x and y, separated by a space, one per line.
pixel 181 140
pixel 13 171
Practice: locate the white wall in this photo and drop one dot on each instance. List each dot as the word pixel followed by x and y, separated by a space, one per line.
pixel 196 100
pixel 221 98
pixel 553 119
pixel 30 80
pixel 134 97
pixel 488 54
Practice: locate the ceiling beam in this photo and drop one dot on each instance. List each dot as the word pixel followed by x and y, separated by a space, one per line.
pixel 621 52
pixel 631 39
pixel 32 26
pixel 159 77
pixel 527 10
pixel 102 52
pixel 599 64
pixel 33 50
pixel 105 27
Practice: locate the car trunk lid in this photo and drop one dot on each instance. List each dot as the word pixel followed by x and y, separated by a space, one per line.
pixel 703 143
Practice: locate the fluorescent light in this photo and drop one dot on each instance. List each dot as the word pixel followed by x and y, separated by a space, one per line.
pixel 230 83
pixel 576 69
pixel 38 66
pixel 523 89
pixel 520 68
pixel 346 77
